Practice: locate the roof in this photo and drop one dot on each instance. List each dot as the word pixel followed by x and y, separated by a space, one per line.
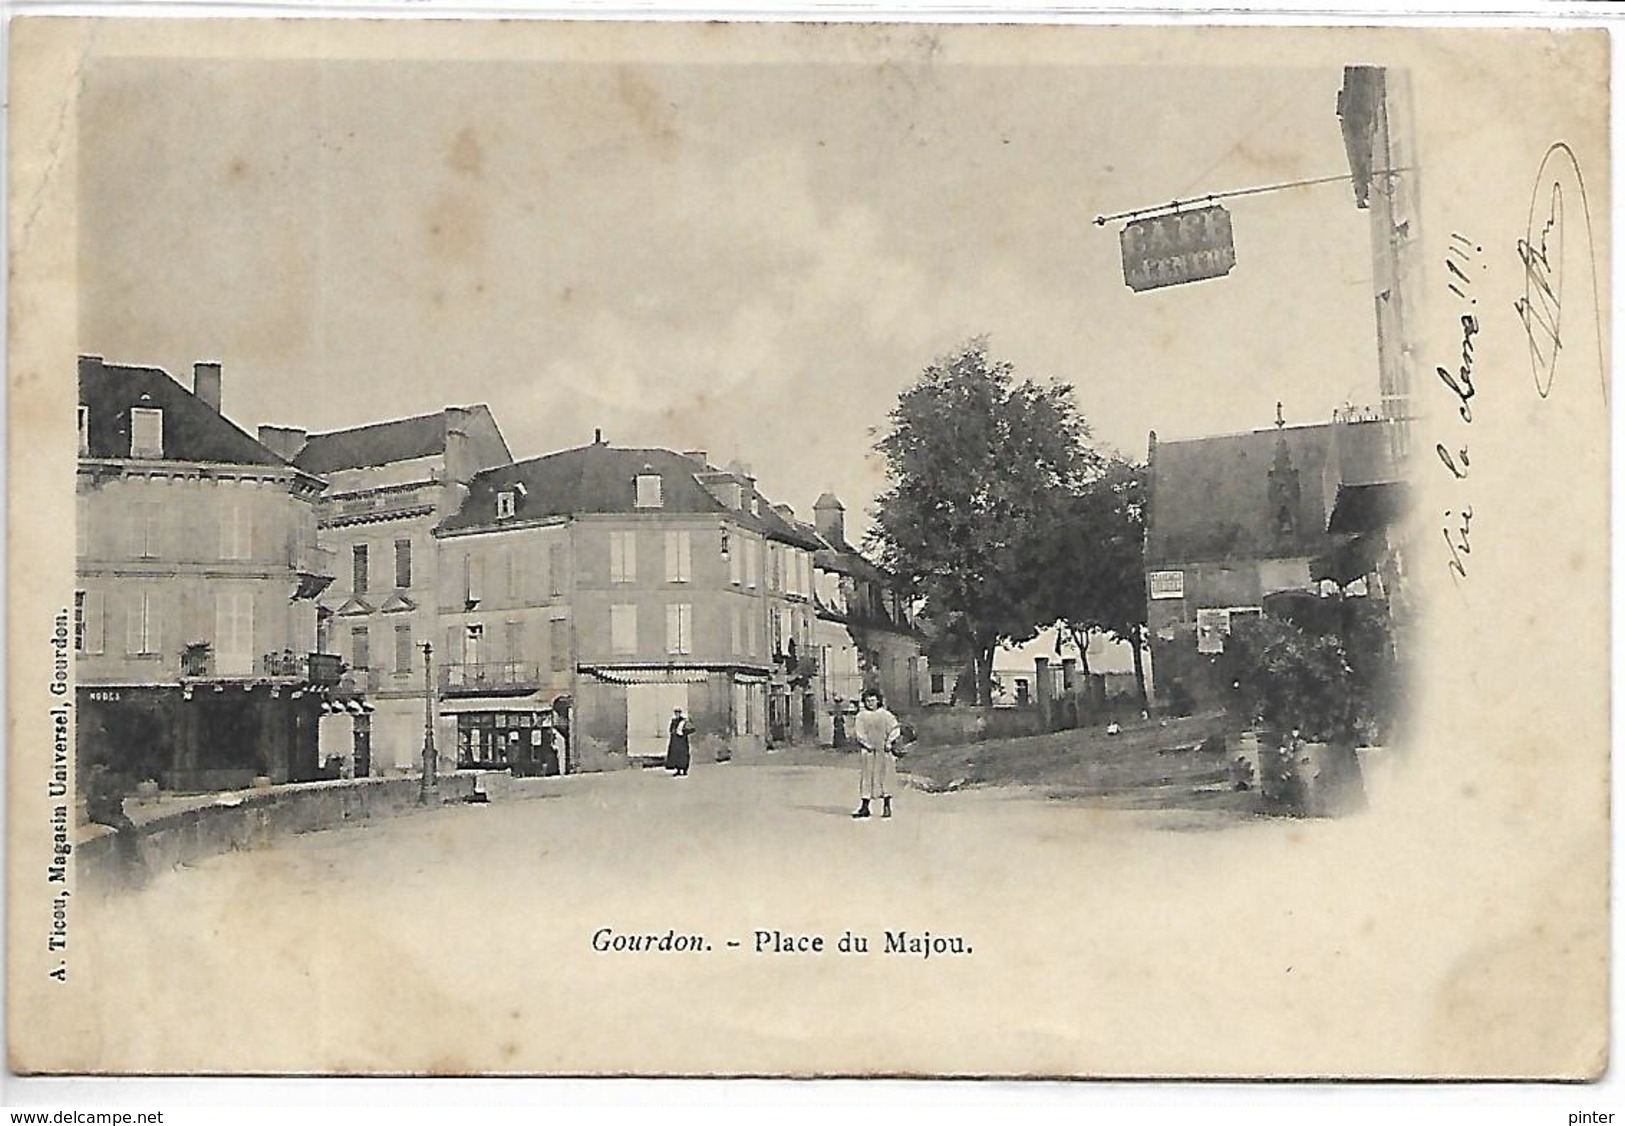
pixel 599 479
pixel 192 430
pixel 1217 498
pixel 380 443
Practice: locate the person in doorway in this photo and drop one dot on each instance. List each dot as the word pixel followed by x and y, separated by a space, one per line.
pixel 677 743
pixel 877 732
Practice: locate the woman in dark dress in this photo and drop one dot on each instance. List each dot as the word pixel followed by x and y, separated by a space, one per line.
pixel 677 743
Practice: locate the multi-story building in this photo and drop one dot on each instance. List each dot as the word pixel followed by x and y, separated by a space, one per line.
pixel 388 485
pixel 197 659
pixel 599 588
pixel 865 636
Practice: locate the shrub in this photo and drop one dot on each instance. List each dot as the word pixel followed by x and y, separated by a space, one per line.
pixel 1288 680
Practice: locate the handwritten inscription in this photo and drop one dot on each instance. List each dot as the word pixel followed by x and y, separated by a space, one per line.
pixel 1462 264
pixel 1557 243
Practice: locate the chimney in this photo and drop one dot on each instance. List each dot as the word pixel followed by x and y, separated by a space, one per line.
pixel 284 441
pixel 829 517
pixel 206 384
pixel 597 437
pixel 459 455
pixel 697 455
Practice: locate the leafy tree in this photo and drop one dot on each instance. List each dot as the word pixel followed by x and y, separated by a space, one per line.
pixel 1090 567
pixel 981 467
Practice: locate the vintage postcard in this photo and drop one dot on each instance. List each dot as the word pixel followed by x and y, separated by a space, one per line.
pixel 787 549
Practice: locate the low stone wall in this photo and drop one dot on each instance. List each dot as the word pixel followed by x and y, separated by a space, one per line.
pixel 248 819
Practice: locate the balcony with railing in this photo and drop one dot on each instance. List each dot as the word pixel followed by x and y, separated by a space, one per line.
pixel 199 662
pixel 500 678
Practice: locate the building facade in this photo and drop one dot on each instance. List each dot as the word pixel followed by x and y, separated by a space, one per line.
pixel 610 586
pixel 865 634
pixel 197 657
pixel 1231 520
pixel 388 485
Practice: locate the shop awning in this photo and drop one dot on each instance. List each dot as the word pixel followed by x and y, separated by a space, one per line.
pixel 652 676
pixel 475 705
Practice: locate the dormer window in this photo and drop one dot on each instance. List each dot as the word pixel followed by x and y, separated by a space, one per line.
pixel 84 431
pixel 505 500
pixel 755 506
pixel 146 432
pixel 648 489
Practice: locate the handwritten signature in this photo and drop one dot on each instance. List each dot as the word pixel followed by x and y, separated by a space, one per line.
pixel 1542 251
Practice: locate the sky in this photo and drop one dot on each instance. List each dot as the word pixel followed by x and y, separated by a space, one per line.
pixel 747 259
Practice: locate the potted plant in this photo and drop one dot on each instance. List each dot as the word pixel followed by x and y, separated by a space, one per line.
pixel 1296 689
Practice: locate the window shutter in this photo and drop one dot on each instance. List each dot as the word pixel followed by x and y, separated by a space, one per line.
pixel 559 643
pixel 95 621
pixel 134 616
pixel 556 568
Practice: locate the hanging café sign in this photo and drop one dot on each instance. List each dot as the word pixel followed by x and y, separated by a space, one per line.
pixel 1179 247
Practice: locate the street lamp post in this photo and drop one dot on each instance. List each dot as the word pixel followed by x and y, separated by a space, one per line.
pixel 429 783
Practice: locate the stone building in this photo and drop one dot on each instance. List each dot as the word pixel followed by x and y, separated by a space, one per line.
pixel 197 657
pixel 388 485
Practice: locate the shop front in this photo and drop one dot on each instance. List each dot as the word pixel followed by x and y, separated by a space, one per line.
pixel 529 737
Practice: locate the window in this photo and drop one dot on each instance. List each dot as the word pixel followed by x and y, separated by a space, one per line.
pixel 623 629
pixel 555 568
pixel 515 639
pixel 680 627
pixel 736 561
pixel 403 648
pixel 146 526
pixel 648 491
pixel 516 573
pixel 358 568
pixel 751 621
pixel 505 504
pixel 679 557
pixel 360 648
pixel 234 633
pixel 403 564
pixel 474 643
pixel 558 643
pixel 142 624
pixel 473 578
pixel 236 530
pixel 775 555
pixel 623 557
pixel 146 432
pixel 736 622
pixel 939 684
pixel 84 431
pixel 752 552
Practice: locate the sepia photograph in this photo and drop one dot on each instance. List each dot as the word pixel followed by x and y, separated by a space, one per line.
pixel 808 550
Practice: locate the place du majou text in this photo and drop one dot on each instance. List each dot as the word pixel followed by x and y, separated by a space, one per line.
pixel 915 944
